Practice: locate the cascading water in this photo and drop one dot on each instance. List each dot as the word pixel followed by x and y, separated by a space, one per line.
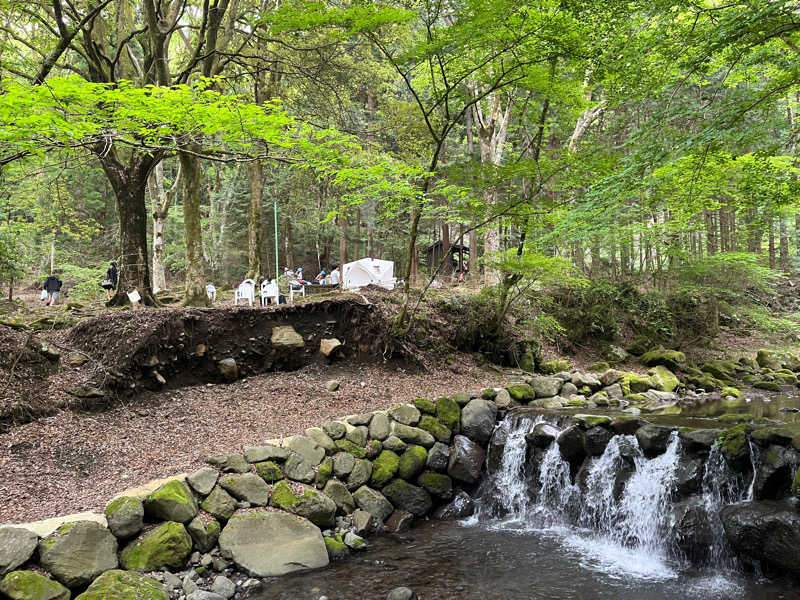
pixel 616 511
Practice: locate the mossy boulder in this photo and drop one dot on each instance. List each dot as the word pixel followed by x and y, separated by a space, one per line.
pixel 433 426
pixel 449 413
pixel 589 421
pixel 664 379
pixel 521 392
pixel 384 468
pixel 412 462
pixel 125 516
pixel 703 381
pixel 173 501
pixel 724 370
pixel 672 359
pixel 284 497
pixel 408 497
pixel 337 549
pixel 786 378
pixel 733 418
pixel 78 552
pixel 551 367
pixel 269 471
pixel 424 406
pixel 168 545
pixel 731 391
pixel 315 506
pixel 124 585
pixel 338 492
pixel 247 487
pixel 437 484
pixel 600 366
pixel 351 448
pixel 770 386
pixel 768 359
pixel 219 504
pixel 634 383
pixel 27 585
pixel 576 401
pixel 734 446
pixel 360 475
pixel 324 472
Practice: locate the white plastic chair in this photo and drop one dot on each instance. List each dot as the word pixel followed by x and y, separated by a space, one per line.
pixel 269 290
pixel 211 292
pixel 292 291
pixel 245 291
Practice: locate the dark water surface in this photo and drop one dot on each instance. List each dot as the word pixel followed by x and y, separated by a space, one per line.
pixel 443 561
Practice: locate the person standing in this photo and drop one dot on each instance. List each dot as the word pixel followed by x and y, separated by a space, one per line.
pixel 110 282
pixel 335 276
pixel 52 285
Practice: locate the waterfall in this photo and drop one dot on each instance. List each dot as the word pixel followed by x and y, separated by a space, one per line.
pixel 616 511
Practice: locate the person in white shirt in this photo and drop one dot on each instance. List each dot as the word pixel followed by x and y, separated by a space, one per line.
pixel 335 276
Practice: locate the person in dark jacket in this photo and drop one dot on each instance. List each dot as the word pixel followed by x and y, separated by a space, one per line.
pixel 112 277
pixel 52 285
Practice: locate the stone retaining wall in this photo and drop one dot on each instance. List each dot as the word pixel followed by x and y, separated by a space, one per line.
pixel 292 504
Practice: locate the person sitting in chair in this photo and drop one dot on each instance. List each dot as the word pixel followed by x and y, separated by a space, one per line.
pixel 320 278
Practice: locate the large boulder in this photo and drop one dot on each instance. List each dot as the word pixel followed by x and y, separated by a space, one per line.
pixel 306 502
pixel 384 467
pixel 699 441
pixel 16 547
pixel 204 532
pixel 438 456
pixel 379 428
pixel 672 359
pixel 220 504
pixel 478 419
pixel 692 529
pixel 266 544
pixel 247 487
pixel 412 463
pixel 300 469
pixel 168 545
pixel 664 378
pixel 581 380
pixel 595 440
pixel 466 460
pixel 689 474
pixel 546 387
pixel 413 435
pixel 307 448
pixel 360 475
pixel 407 414
pixel 571 443
pixel 286 338
pixel 408 497
pixel 173 501
pixel 124 585
pixel 775 467
pixel 460 507
pixel 27 585
pixel 653 439
pixel 373 502
pixel 449 414
pixel 767 532
pixel 125 516
pixel 542 435
pixel 338 492
pixel 78 552
pixel 433 426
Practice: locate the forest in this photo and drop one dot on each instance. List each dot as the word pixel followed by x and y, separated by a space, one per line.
pixel 653 144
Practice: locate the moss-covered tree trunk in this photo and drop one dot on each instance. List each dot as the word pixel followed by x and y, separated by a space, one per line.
pixel 194 287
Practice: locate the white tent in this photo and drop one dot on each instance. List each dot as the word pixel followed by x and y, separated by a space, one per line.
pixel 366 271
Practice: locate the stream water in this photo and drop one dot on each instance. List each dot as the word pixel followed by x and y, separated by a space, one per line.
pixel 539 533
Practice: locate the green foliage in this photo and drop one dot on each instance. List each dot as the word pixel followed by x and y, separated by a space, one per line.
pixel 82 283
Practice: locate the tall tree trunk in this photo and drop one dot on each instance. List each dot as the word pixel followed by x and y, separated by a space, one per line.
pixel 771 243
pixel 129 182
pixel 194 292
pixel 53 254
pixel 255 221
pixel 160 200
pixel 711 233
pixel 784 245
pixel 342 237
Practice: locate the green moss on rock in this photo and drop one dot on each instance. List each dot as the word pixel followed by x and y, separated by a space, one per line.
pixel 770 386
pixel 437 484
pixel 724 370
pixel 634 383
pixel 283 497
pixel 672 359
pixel 424 406
pixel 168 545
pixel 734 418
pixel 336 547
pixel 796 484
pixel 348 446
pixel 435 428
pixel 124 585
pixel 600 366
pixel 666 379
pixel 731 391
pixel 449 413
pixel 551 367
pixel 173 501
pixel 521 392
pixel 324 472
pixel 384 468
pixel 27 585
pixel 412 463
pixel 269 471
pixel 767 359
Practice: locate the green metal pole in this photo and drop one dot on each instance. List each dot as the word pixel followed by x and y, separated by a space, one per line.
pixel 275 213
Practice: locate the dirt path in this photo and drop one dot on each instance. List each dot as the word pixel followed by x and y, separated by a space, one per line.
pixel 77 461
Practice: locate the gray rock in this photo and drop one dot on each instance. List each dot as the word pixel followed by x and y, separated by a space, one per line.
pixel 267 544
pixel 204 535
pixel 228 369
pixel 204 595
pixel 299 469
pixel 16 547
pixel 653 439
pixel 460 507
pixel 412 435
pixel 610 377
pixel 125 516
pixel 546 387
pixel 336 430
pixel 775 468
pixel 699 441
pixel 478 419
pixel 362 419
pixel 571 443
pixel 542 435
pixel 595 440
pixel 358 435
pixel 332 385
pixel 248 487
pixel 316 506
pixel 354 542
pixel 220 504
pixel 285 337
pixel 568 389
pixel 503 399
pixel 173 501
pixel 172 582
pixel 379 427
pixel 614 391
pixel 401 593
pixel 692 529
pixel 78 552
pixel 767 532
pixel 408 497
pixel 343 463
pixel 399 521
pixel 438 456
pixel 189 586
pixel 223 586
pixel 581 379
pixel 373 502
pixel 310 450
pixel 340 495
pixel 689 475
pixel 462 398
pixel 203 480
pixel 466 460
pixel 360 474
pixel 407 414
pixel 323 439
pixel 229 463
pixel 395 444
